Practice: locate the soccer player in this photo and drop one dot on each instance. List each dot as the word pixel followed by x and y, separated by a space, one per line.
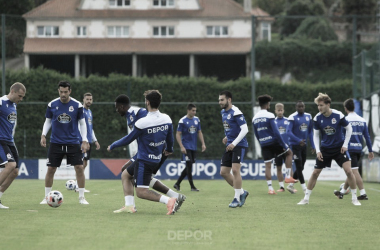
pixel 8 151
pixel 133 114
pixel 235 129
pixel 189 127
pixel 63 115
pixel 330 122
pixel 87 102
pixel 271 142
pixel 153 132
pixel 282 124
pixel 300 128
pixel 355 146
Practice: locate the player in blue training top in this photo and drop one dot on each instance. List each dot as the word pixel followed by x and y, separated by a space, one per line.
pixel 153 132
pixel 355 147
pixel 282 124
pixel 132 115
pixel 330 123
pixel 87 102
pixel 235 129
pixel 271 141
pixel 63 115
pixel 299 130
pixel 189 128
pixel 8 151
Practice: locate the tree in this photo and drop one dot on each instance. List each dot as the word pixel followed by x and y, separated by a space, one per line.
pixel 360 8
pixel 273 7
pixel 315 28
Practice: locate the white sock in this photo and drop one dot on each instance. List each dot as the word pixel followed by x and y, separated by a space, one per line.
pixel 237 194
pixel 343 191
pixel 172 194
pixel 241 191
pixel 291 184
pixel 129 200
pixel 303 186
pixel 281 184
pixel 164 199
pixel 307 194
pixel 270 185
pixel 47 191
pixel 362 192
pixel 1 194
pixel 81 192
pixel 287 173
pixel 353 192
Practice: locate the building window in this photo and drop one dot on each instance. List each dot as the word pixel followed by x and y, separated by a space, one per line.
pixel 163 31
pixel 266 31
pixel 217 31
pixel 47 31
pixel 81 31
pixel 119 3
pixel 118 31
pixel 163 3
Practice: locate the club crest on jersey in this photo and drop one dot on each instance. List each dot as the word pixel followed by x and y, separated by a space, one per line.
pixel 64 118
pixel 12 117
pixel 131 118
pixel 329 130
pixel 196 122
pixel 192 129
pixel 303 127
pixel 228 116
pixel 333 121
pixel 307 119
pixel 71 109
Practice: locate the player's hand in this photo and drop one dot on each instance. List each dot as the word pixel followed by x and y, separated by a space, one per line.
pixel 224 140
pixel 109 148
pixel 43 141
pixel 166 153
pixel 97 145
pixel 85 146
pixel 183 150
pixel 230 147
pixel 343 150
pixel 302 143
pixel 203 147
pixel 370 156
pixel 126 165
pixel 313 151
pixel 319 156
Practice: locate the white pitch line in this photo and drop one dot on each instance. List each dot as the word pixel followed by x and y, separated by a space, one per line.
pixel 377 190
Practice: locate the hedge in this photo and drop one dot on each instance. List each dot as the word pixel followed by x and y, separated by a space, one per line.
pixel 41 87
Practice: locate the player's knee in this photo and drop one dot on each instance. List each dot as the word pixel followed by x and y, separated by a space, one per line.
pixel 14 173
pixel 10 165
pixel 140 192
pixel 315 174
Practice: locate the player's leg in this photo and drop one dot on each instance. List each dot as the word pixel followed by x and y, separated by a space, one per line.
pixel 288 165
pixel 268 156
pixel 360 185
pixel 240 196
pixel 186 160
pixel 189 169
pixel 74 158
pixel 128 188
pixel 225 169
pixel 8 181
pixel 278 164
pixel 162 188
pixel 351 181
pixel 8 160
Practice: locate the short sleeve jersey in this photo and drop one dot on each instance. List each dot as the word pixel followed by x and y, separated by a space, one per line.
pixel 134 114
pixel 232 120
pixel 282 124
pixel 359 129
pixel 64 121
pixel 189 129
pixel 301 126
pixel 8 119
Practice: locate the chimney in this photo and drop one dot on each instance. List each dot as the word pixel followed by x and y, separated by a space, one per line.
pixel 248 6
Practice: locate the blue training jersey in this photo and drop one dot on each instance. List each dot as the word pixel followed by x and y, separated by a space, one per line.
pixel 300 128
pixel 331 128
pixel 153 132
pixel 189 129
pixel 134 114
pixel 64 121
pixel 266 130
pixel 88 118
pixel 8 119
pixel 282 125
pixel 359 129
pixel 232 120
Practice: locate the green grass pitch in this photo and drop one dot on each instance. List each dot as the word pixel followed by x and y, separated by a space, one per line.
pixel 204 222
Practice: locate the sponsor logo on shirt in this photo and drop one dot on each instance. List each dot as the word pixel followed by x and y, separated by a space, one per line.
pixel 192 129
pixel 12 117
pixel 353 144
pixel 89 121
pixel 357 133
pixel 260 120
pixel 226 125
pixel 156 144
pixel 329 130
pixel 155 157
pixel 361 124
pixel 282 130
pixel 266 138
pixel 262 128
pixel 64 118
pixel 303 127
pixel 158 129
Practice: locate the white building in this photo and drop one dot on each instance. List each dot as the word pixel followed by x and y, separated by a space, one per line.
pixel 143 37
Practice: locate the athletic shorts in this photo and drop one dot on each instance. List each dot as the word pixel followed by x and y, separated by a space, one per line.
pixel 272 151
pixel 299 152
pixel 355 158
pixel 279 160
pixel 131 168
pixel 8 153
pixel 143 173
pixel 87 155
pixel 72 152
pixel 190 156
pixel 234 156
pixel 330 154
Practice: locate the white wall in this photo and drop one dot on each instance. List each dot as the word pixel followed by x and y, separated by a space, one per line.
pixel 140 4
pixel 188 4
pixel 190 29
pixel 240 28
pixel 95 4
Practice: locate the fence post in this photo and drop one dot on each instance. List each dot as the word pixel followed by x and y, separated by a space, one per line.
pixel 354 88
pixel 253 87
pixel 24 144
pixel 3 57
pixel 364 74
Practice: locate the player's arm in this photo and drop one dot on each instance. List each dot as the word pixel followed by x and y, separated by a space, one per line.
pixel 126 139
pixel 45 130
pixel 289 132
pixel 243 131
pixel 311 134
pixel 178 137
pixel 277 134
pixel 347 137
pixel 169 141
pixel 95 140
pixel 368 142
pixel 201 139
pixel 316 144
pixel 83 133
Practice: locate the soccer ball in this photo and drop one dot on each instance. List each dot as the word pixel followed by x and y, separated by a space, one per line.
pixel 54 198
pixel 348 189
pixel 70 185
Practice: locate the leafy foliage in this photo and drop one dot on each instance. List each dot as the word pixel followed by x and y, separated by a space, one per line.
pixel 315 28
